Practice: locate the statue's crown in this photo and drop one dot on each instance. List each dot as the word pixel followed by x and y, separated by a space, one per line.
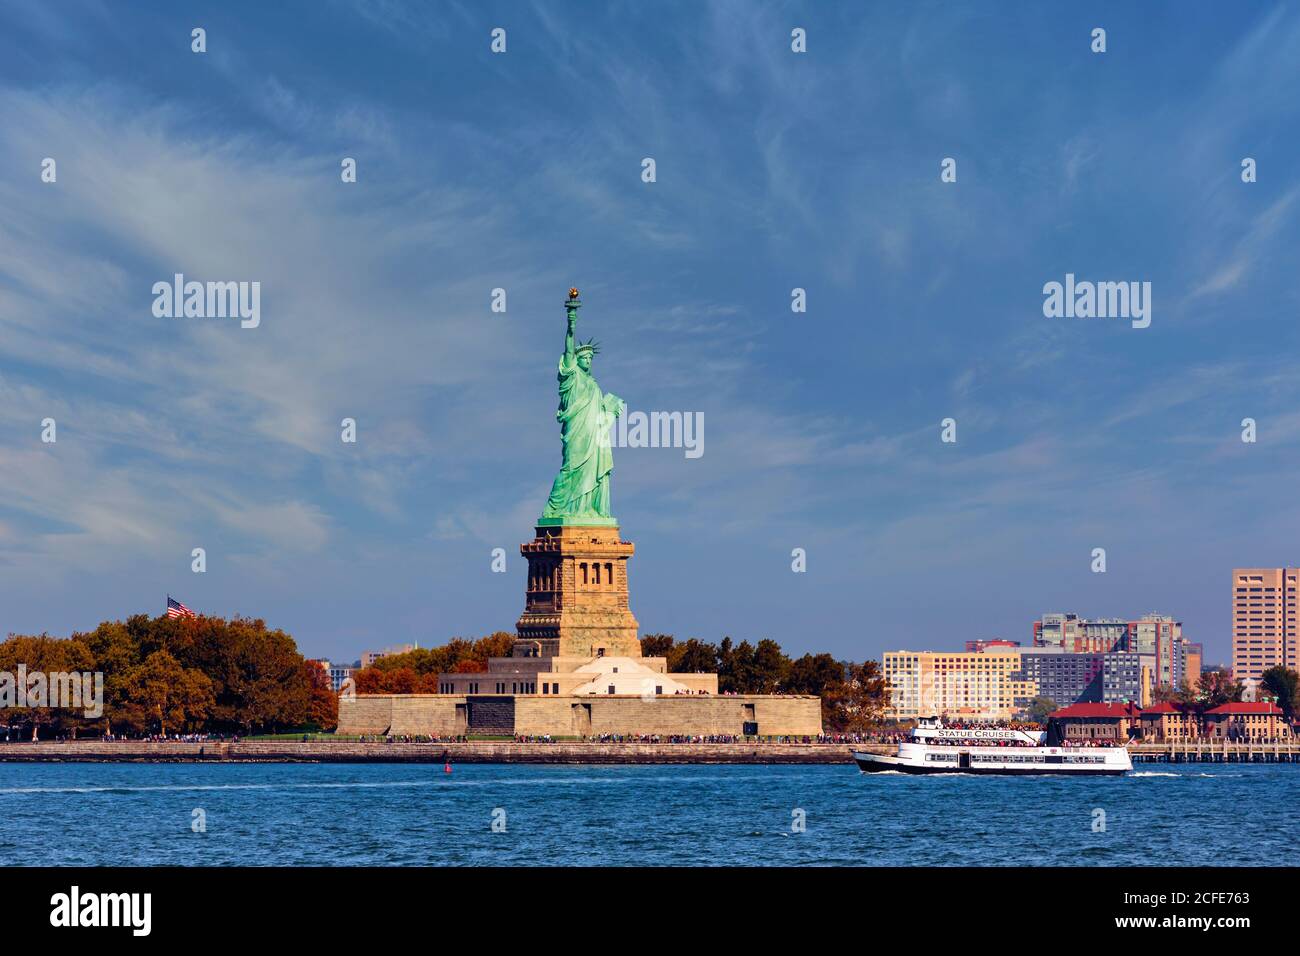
pixel 591 345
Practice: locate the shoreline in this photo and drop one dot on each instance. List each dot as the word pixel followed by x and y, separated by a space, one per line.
pixel 504 752
pixel 561 752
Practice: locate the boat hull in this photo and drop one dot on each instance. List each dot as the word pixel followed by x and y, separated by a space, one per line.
pixel 879 763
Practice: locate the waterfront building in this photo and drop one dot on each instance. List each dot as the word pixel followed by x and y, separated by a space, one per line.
pixel 1170 722
pixel 1246 721
pixel 1002 682
pixel 1264 625
pixel 980 685
pixel 1111 723
pixel 1173 722
pixel 1068 678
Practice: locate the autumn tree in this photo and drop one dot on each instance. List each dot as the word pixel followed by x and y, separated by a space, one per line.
pixel 416 671
pixel 116 647
pixel 255 674
pixel 44 656
pixel 1218 687
pixel 323 703
pixel 859 703
pixel 171 696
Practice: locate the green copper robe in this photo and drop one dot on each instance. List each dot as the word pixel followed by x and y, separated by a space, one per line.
pixel 585 417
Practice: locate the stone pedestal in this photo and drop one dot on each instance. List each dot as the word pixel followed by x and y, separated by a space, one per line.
pixel 576 604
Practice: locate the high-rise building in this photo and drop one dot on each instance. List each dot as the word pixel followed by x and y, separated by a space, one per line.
pixel 1066 678
pixel 984 645
pixel 1157 637
pixel 1077 635
pixel 1264 627
pixel 1193 661
pixel 1160 637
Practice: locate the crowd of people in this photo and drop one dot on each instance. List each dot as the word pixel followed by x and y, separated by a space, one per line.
pixel 978 742
pixel 637 739
pixel 1092 742
pixel 1004 724
pixel 14 736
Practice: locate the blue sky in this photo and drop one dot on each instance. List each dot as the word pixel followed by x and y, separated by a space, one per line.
pixel 774 171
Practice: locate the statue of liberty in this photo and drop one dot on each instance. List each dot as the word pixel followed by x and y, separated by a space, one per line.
pixel 581 489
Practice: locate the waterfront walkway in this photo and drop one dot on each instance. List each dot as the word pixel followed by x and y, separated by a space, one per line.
pixel 560 752
pixel 1211 751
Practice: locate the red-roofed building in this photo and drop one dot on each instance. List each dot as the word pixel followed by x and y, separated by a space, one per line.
pixel 1112 723
pixel 1246 721
pixel 1168 722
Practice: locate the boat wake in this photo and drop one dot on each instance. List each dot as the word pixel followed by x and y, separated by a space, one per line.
pixel 1166 773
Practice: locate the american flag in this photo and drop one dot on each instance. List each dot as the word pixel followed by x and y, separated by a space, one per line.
pixel 177 609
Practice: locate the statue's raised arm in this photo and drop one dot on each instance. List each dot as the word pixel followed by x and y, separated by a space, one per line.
pixel 572 308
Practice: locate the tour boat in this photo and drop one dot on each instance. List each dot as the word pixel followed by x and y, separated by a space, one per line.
pixel 936 748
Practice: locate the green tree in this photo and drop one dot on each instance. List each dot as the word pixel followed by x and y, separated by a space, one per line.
pixel 735 667
pixel 693 656
pixel 1040 708
pixel 815 675
pixel 771 668
pixel 656 645
pixel 1284 684
pixel 1180 695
